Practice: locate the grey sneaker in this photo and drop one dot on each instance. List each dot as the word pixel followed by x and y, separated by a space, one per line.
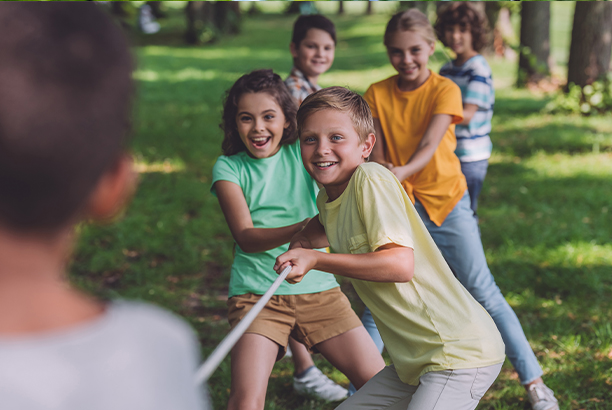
pixel 542 398
pixel 315 383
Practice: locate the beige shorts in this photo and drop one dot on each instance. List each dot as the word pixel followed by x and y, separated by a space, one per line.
pixel 310 318
pixel 440 390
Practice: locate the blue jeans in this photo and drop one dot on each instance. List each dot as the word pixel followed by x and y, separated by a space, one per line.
pixel 475 173
pixel 459 241
pixel 370 326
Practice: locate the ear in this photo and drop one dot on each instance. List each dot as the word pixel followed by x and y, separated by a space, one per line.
pixel 433 48
pixel 293 49
pixel 113 190
pixel 368 145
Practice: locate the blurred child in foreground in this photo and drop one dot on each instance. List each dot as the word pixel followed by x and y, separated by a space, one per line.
pixel 65 76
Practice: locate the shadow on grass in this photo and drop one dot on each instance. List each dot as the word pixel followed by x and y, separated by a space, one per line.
pixel 553 137
pixel 507 105
pixel 515 201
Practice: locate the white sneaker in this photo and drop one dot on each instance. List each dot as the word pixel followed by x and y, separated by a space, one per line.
pixel 315 383
pixel 542 398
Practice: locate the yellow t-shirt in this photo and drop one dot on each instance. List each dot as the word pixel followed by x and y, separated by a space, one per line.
pixel 404 117
pixel 431 323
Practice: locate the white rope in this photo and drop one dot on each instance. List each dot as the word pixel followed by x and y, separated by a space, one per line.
pixel 210 365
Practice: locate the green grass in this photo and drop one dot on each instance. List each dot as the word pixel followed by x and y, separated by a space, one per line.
pixel 545 208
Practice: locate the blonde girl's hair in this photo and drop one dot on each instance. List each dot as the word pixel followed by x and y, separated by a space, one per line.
pixel 410 20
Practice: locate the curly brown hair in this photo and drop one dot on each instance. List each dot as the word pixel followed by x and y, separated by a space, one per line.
pixel 466 15
pixel 258 81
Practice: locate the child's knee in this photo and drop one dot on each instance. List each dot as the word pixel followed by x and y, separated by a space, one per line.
pixel 246 401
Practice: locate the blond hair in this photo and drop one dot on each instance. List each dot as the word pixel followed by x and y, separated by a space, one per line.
pixel 410 20
pixel 342 100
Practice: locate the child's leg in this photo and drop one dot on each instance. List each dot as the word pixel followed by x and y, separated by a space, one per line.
pixel 459 241
pixel 301 358
pixel 474 173
pixel 253 358
pixel 370 327
pixel 327 322
pixel 354 354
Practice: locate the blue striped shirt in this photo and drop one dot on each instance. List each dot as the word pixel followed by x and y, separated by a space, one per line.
pixel 476 84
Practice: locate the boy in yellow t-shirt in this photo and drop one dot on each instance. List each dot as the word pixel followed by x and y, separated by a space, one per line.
pixel 445 348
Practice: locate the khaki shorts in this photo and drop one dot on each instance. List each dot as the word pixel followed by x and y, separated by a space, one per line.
pixel 310 318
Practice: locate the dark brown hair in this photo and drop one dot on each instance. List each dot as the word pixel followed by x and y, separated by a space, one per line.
pixel 466 15
pixel 258 81
pixel 66 87
pixel 342 100
pixel 306 22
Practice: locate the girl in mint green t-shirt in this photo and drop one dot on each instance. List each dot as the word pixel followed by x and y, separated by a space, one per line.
pixel 267 196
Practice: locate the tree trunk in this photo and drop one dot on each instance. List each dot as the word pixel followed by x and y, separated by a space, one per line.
pixel 227 17
pixel 156 9
pixel 194 21
pixel 118 9
pixel 340 7
pixel 491 12
pixel 293 8
pixel 253 10
pixel 591 45
pixel 369 8
pixel 535 42
pixel 213 19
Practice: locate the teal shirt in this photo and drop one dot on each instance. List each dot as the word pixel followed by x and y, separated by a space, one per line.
pixel 278 192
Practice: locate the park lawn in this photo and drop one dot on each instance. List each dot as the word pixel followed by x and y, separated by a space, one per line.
pixel 545 209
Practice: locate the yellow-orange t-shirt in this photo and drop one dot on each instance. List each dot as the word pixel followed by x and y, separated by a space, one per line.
pixel 404 117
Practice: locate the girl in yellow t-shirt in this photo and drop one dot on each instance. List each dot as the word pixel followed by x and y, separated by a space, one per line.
pixel 415 113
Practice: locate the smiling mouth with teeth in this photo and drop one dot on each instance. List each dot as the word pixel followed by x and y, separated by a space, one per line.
pixel 325 164
pixel 261 141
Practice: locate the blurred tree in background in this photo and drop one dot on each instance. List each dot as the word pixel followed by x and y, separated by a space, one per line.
pixel 535 42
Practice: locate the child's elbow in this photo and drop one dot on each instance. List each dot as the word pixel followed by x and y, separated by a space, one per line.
pixel 405 275
pixel 406 271
pixel 248 247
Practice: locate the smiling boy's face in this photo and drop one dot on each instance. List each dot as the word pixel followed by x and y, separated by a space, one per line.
pixel 332 149
pixel 315 53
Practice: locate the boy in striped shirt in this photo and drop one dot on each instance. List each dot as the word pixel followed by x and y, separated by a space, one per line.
pixel 462 28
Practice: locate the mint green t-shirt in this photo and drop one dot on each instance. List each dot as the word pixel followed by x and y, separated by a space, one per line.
pixel 278 192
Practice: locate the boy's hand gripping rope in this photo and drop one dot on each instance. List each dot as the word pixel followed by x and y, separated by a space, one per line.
pixel 210 365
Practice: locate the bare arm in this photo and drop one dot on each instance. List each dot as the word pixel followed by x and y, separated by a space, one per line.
pixel 311 237
pixel 238 218
pixel 390 263
pixel 427 147
pixel 468 112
